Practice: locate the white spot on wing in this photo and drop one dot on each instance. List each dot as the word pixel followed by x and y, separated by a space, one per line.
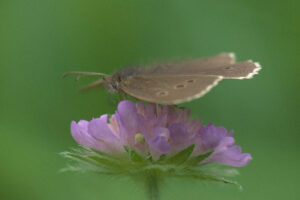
pixel 232 56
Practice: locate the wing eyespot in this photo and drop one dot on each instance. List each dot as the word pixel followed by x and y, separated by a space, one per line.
pixel 162 93
pixel 179 86
pixel 190 81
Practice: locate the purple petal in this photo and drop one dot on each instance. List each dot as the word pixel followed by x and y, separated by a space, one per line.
pixel 140 106
pixel 232 156
pixel 212 135
pixel 128 114
pixel 99 129
pixel 229 154
pixel 178 133
pixel 224 144
pixel 162 132
pixel 160 144
pixel 149 110
pixel 163 116
pixel 80 133
pixel 128 121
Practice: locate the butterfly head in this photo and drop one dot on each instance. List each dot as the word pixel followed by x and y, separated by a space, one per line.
pixel 112 82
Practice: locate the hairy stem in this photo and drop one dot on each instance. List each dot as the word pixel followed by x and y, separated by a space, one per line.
pixel 152 186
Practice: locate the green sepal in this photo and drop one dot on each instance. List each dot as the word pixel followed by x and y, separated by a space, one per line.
pixel 212 178
pixel 101 153
pixel 197 159
pixel 160 168
pixel 77 157
pixel 107 163
pixel 161 158
pixel 134 156
pixel 181 156
pixel 180 165
pixel 95 162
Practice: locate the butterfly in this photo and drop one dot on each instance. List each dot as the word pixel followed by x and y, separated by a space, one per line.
pixel 174 83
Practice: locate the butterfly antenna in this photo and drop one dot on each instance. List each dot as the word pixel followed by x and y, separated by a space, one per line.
pixel 80 74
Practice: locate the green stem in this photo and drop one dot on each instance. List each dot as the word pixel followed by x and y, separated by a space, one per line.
pixel 152 187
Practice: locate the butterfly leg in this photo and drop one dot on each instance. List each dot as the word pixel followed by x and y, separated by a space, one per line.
pixel 112 101
pixel 120 95
pixel 178 107
pixel 157 109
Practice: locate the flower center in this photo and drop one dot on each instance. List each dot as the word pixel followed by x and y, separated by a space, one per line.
pixel 139 138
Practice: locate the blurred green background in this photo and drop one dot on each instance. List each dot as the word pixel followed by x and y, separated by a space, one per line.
pixel 42 39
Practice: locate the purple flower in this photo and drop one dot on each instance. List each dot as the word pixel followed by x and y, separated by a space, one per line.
pixel 158 130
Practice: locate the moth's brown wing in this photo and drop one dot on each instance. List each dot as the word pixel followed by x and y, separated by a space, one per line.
pixel 190 66
pixel 168 89
pixel 241 70
pixel 220 60
pixel 221 65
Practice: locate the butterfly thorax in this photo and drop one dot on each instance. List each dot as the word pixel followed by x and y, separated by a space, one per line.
pixel 112 82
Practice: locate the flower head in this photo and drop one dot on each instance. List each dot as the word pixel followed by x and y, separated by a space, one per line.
pixel 153 130
pixel 150 142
